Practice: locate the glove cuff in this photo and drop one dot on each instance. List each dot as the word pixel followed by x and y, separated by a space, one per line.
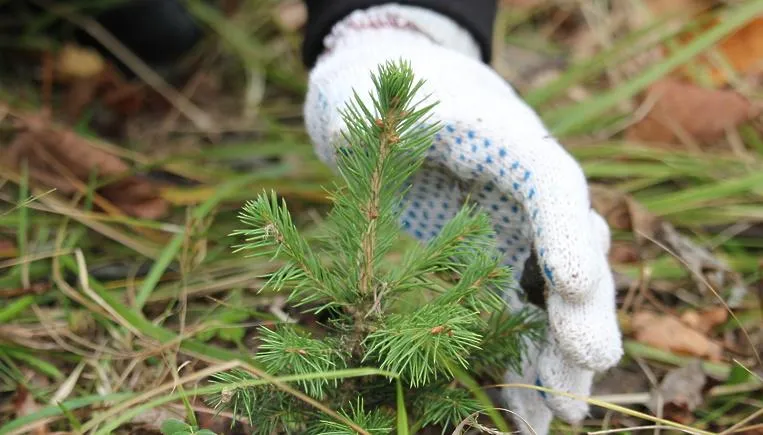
pixel 388 24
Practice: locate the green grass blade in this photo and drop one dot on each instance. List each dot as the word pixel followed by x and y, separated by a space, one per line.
pixel 472 385
pixel 697 197
pixel 32 361
pixel 146 327
pixel 402 414
pixel 590 67
pixel 15 308
pixel 634 348
pixel 173 247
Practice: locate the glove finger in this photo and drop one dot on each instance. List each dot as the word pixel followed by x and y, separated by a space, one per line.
pixel 587 332
pixel 558 373
pixel 601 231
pixel 530 413
pixel 547 366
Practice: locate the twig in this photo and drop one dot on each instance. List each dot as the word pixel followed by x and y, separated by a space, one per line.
pixel 472 422
pixel 605 405
pixel 744 421
pixel 656 427
pixel 643 398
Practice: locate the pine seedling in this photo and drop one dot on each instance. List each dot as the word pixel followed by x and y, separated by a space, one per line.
pixel 436 308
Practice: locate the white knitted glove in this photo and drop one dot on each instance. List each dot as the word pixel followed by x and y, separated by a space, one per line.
pixel 494 148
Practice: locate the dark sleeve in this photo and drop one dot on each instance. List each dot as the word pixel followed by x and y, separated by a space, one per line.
pixel 476 16
pixel 158 31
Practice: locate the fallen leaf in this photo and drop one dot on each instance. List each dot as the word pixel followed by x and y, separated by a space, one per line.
pixel 222 424
pixel 291 15
pixel 122 96
pixel 682 109
pixel 87 76
pixel 229 7
pixel 705 320
pixel 61 159
pixel 7 249
pixel 23 405
pixel 679 393
pixel 622 212
pixel 669 333
pixel 741 50
pixel 622 252
pixel 744 50
pixel 75 62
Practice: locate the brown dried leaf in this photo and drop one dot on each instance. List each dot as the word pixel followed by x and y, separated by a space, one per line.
pixel 680 393
pixel 742 51
pixel 122 96
pixel 35 288
pixel 623 252
pixel 61 159
pixel 669 333
pixel 622 212
pixel 682 109
pixel 75 62
pixel 291 15
pixel 705 320
pixel 7 249
pixel 24 404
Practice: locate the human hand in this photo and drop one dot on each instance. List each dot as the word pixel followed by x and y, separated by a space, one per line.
pixel 492 149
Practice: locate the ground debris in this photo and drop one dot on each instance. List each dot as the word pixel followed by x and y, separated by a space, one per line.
pixel 683 112
pixel 25 404
pixel 623 212
pixel 705 320
pixel 291 15
pixel 61 159
pixel 679 393
pixel 669 333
